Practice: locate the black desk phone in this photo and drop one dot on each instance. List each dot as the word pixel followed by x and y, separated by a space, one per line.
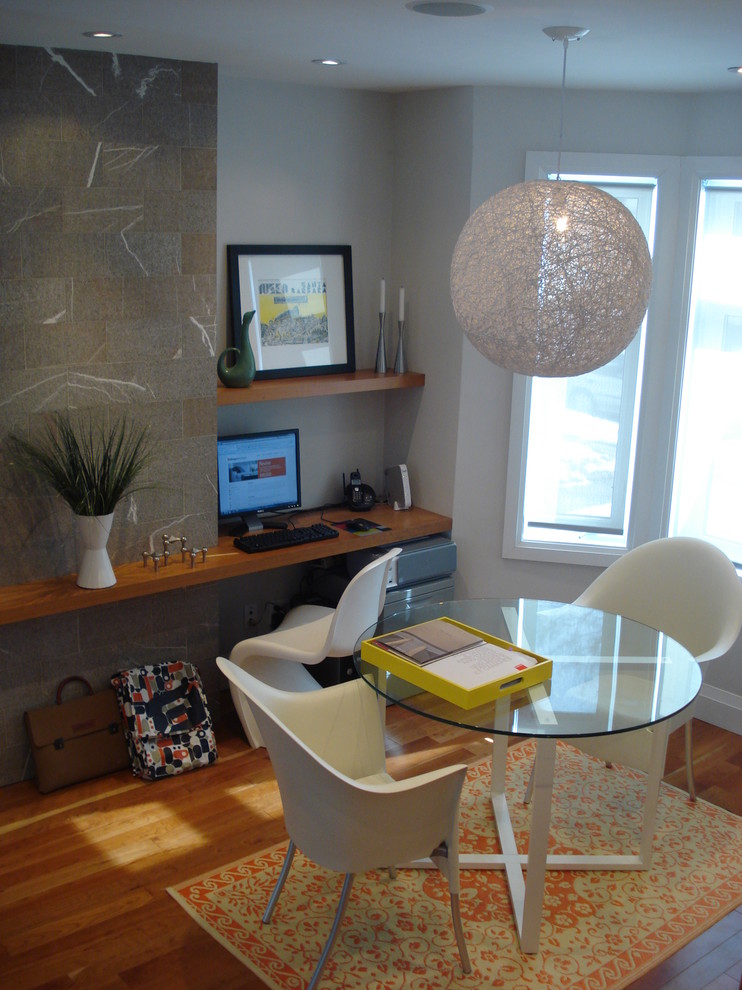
pixel 358 496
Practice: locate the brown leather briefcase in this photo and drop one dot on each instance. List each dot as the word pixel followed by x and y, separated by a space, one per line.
pixel 77 739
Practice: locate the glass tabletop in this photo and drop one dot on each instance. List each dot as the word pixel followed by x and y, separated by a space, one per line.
pixel 609 674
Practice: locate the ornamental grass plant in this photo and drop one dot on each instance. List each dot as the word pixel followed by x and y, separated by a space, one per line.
pixel 90 466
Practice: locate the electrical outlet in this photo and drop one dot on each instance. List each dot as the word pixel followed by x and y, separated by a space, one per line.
pixel 252 615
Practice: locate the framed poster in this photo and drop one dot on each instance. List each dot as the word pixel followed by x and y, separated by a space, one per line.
pixel 303 302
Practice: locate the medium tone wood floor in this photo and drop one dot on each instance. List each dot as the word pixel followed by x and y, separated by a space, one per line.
pixel 83 871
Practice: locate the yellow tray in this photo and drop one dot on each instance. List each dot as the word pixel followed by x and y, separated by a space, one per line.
pixel 425 679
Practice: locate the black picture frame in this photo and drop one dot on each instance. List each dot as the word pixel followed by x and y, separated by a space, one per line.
pixel 295 331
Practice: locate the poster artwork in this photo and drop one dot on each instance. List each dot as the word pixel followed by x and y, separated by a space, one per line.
pixel 293 311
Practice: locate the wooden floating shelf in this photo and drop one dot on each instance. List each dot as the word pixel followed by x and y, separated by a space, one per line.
pixel 54 596
pixel 271 389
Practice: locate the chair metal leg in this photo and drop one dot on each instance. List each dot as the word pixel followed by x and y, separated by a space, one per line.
pixel 347 884
pixel 689 760
pixel 273 900
pixel 440 857
pixel 459 933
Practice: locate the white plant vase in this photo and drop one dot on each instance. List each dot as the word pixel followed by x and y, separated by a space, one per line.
pixel 94 565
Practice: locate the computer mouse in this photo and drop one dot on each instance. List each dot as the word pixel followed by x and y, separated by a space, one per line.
pixel 359 526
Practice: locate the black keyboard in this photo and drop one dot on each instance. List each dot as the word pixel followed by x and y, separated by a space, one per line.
pixel 276 539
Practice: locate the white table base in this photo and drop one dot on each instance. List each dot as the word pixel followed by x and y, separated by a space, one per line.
pixel 527 892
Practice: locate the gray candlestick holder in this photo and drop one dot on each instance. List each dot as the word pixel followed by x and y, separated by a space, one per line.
pixel 400 364
pixel 381 347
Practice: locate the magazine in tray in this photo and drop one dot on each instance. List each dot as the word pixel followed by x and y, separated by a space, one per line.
pixel 456 662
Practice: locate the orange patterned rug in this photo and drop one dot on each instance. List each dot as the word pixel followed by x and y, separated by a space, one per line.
pixel 601 930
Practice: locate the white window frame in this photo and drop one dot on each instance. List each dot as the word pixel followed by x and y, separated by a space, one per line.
pixel 678 189
pixel 694 171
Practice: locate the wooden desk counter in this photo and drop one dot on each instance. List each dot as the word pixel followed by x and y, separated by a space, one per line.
pixel 37 599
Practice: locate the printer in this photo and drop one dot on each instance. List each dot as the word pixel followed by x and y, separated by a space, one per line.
pixel 422 572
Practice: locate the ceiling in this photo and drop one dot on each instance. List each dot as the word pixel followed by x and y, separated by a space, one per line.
pixel 662 45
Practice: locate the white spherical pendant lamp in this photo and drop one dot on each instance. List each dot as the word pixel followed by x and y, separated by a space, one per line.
pixel 551 278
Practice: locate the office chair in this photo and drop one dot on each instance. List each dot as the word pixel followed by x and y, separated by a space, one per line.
pixel 341 807
pixel 307 635
pixel 689 590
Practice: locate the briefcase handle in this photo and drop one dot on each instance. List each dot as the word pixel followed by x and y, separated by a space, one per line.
pixel 67 681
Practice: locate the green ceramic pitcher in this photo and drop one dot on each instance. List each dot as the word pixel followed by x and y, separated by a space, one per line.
pixel 242 372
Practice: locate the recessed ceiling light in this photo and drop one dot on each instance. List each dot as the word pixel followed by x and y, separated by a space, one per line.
pixel 736 68
pixel 448 8
pixel 328 61
pixel 101 34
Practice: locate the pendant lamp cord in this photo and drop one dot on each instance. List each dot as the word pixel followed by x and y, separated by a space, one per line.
pixel 561 110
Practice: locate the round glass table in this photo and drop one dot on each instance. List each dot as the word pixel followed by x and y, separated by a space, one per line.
pixel 609 675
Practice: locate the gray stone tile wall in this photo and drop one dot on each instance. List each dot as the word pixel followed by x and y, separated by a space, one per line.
pixel 108 283
pixel 107 305
pixel 96 643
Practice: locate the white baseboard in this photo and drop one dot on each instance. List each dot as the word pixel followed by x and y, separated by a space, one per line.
pixel 722 708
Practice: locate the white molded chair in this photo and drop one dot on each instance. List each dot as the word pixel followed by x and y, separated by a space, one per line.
pixel 684 587
pixel 341 807
pixel 307 635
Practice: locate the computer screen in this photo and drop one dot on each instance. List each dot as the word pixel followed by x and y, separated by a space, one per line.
pixel 258 472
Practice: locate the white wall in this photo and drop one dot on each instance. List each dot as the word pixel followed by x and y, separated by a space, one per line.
pixel 433 142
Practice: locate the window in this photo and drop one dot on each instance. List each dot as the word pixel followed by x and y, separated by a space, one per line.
pixel 651 442
pixel 707 478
